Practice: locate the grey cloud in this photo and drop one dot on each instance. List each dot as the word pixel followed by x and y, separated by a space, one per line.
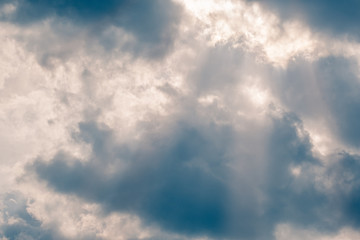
pixel 217 69
pixel 18 223
pixel 221 67
pixel 195 174
pixel 326 90
pixel 287 203
pixel 344 173
pixel 340 83
pixel 332 16
pixel 180 179
pixel 162 182
pixel 153 23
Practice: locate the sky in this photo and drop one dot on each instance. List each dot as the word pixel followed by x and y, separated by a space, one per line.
pixel 179 120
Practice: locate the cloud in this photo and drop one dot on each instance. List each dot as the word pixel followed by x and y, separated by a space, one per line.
pixel 328 93
pixel 346 180
pixel 18 223
pixel 182 180
pixel 285 231
pixel 176 120
pixel 159 182
pixel 340 84
pixel 332 16
pixel 152 24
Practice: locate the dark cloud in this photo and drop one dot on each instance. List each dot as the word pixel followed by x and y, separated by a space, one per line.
pixel 291 200
pixel 29 11
pixel 181 179
pixel 163 181
pixel 20 224
pixel 343 174
pixel 152 23
pixel 332 16
pixel 340 85
pixel 326 90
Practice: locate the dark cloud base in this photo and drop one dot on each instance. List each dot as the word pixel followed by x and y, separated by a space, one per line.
pixel 152 23
pixel 182 182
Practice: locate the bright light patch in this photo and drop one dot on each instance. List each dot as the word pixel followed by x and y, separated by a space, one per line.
pixel 258 96
pixel 250 26
pixel 296 171
pixel 208 99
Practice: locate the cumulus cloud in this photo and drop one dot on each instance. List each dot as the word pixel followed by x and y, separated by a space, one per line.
pixel 182 180
pixel 178 120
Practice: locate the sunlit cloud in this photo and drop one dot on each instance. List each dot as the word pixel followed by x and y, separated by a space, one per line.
pixel 201 120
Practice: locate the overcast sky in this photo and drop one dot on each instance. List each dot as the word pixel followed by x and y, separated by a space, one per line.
pixel 179 120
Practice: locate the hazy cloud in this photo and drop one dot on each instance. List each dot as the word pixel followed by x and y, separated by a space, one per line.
pixel 207 119
pixel 332 16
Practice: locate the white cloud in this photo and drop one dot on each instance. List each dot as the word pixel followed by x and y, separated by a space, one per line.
pixel 49 82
